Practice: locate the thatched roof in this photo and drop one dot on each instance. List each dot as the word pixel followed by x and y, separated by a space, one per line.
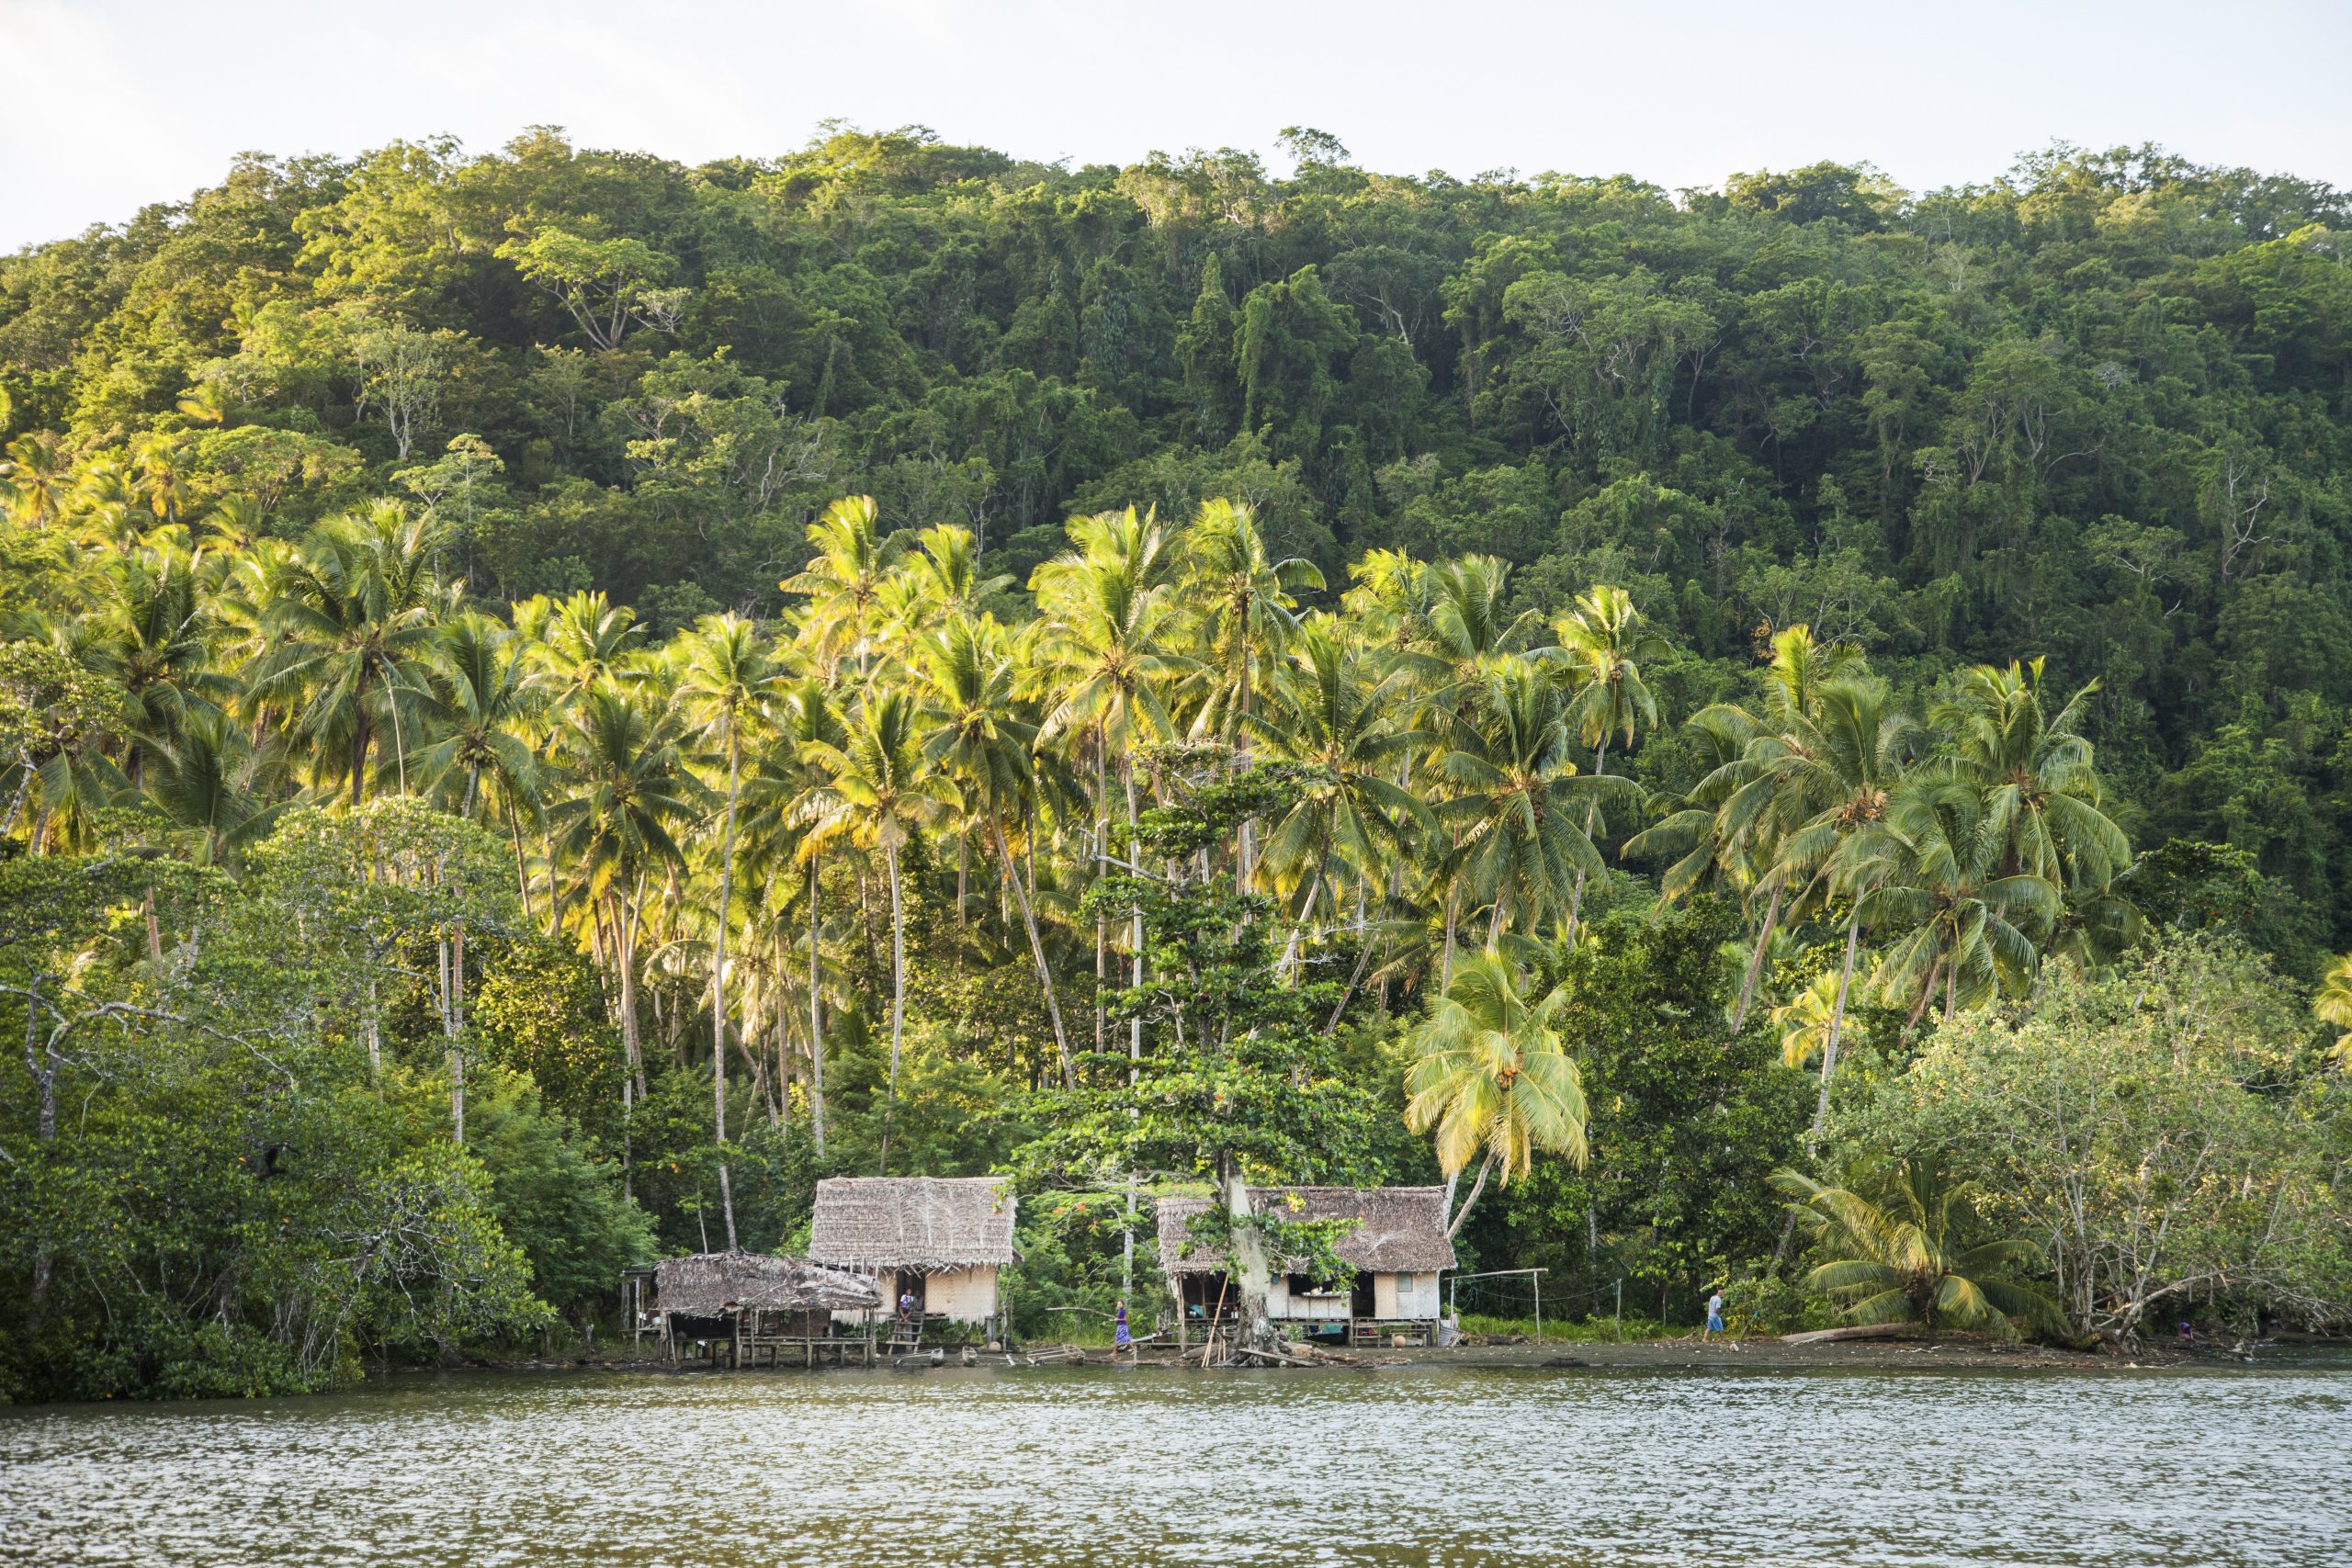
pixel 912 1222
pixel 710 1284
pixel 1401 1230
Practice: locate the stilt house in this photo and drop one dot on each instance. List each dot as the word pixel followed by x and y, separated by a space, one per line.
pixel 750 1303
pixel 1397 1248
pixel 942 1240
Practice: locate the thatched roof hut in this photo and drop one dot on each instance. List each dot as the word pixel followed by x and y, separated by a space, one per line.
pixel 712 1284
pixel 922 1223
pixel 1400 1230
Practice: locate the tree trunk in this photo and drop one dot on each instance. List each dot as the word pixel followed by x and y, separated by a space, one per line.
pixel 816 1028
pixel 453 1024
pixel 1836 1023
pixel 1592 815
pixel 898 992
pixel 1755 964
pixel 718 984
pixel 522 871
pixel 1249 1257
pixel 1037 953
pixel 1471 1201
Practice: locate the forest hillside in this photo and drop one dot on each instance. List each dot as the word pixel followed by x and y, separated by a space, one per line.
pixel 1639 706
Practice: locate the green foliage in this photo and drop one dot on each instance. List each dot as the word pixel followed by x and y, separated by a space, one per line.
pixel 1685 1128
pixel 2169 1134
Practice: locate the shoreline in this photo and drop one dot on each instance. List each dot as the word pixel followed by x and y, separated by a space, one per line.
pixel 1687 1354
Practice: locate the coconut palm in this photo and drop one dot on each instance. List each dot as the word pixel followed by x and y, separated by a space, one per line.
pixel 208 781
pixel 1242 616
pixel 1601 644
pixel 728 677
pixel 1332 713
pixel 625 785
pixel 1957 922
pixel 1803 1019
pixel 1895 1243
pixel 1516 801
pixel 579 641
pixel 353 630
pixel 979 735
pixel 844 583
pixel 1490 1076
pixel 485 704
pixel 1816 784
pixel 783 799
pixel 2333 1004
pixel 881 791
pixel 152 637
pixel 2042 796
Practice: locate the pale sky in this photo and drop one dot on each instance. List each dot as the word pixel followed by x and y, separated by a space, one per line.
pixel 106 105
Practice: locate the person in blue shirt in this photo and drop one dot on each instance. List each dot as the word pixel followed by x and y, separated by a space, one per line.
pixel 1120 1339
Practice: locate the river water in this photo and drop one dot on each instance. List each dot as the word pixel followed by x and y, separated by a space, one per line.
pixel 1091 1466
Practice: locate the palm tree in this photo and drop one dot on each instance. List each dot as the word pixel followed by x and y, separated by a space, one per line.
pixel 1817 785
pixel 978 736
pixel 1243 617
pixel 1490 1076
pixel 577 643
pixel 1330 713
pixel 2042 794
pixel 730 674
pixel 354 628
pixel 787 796
pixel 1893 1240
pixel 486 704
pixel 2333 1004
pixel 1601 645
pixel 882 793
pixel 1518 801
pixel 152 637
pixel 625 785
pixel 1804 1018
pixel 207 779
pixel 844 582
pixel 1099 652
pixel 1960 922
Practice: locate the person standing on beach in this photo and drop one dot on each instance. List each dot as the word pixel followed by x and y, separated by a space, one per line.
pixel 1120 1339
pixel 1714 1315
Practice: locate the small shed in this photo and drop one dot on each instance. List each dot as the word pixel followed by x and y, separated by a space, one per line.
pixel 943 1240
pixel 752 1302
pixel 1397 1248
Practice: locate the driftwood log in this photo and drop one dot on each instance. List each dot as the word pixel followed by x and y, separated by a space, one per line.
pixel 1855 1331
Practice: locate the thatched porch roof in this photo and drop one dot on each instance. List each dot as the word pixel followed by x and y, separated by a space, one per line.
pixel 1401 1230
pixel 925 1223
pixel 711 1284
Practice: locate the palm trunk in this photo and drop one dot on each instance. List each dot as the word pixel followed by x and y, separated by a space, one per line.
pixel 1471 1200
pixel 1756 963
pixel 522 871
pixel 898 992
pixel 719 985
pixel 1592 815
pixel 1037 953
pixel 816 1028
pixel 1836 1022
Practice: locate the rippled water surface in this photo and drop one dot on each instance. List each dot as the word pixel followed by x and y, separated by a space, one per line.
pixel 1093 1466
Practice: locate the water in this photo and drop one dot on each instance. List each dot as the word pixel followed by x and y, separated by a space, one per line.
pixel 1082 1466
